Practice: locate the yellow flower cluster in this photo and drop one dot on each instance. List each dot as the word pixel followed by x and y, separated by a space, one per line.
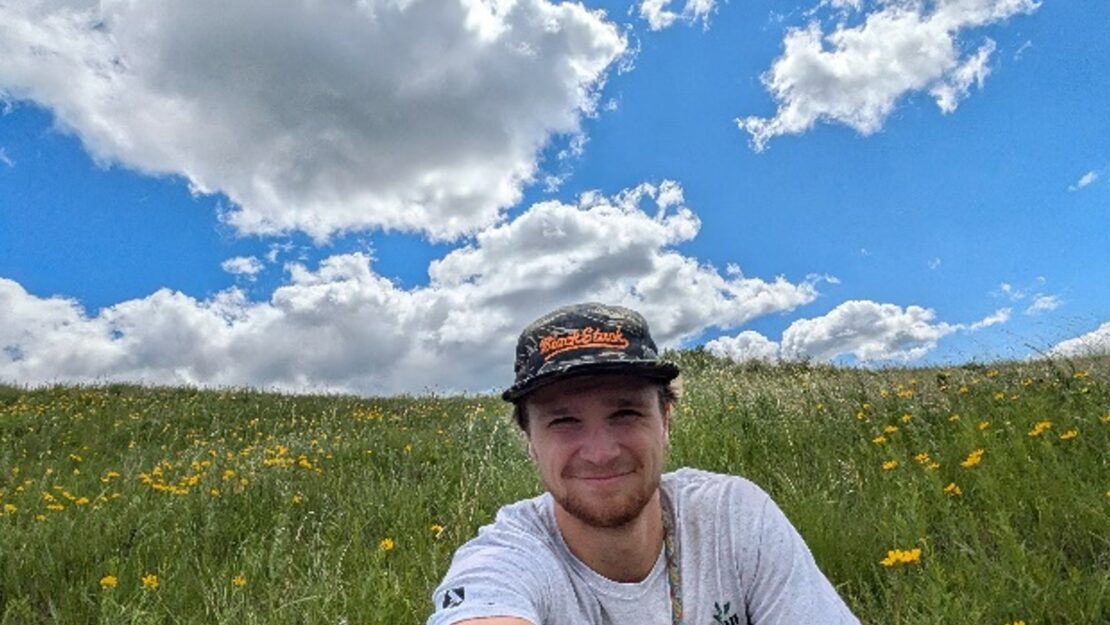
pixel 150 581
pixel 953 490
pixel 1070 434
pixel 973 459
pixel 1040 428
pixel 896 557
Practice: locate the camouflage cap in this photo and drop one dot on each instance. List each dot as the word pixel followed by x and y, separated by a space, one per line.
pixel 585 338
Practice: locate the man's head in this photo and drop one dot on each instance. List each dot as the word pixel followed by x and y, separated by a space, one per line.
pixel 595 402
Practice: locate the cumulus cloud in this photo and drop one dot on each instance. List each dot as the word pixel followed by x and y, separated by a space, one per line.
pixel 868 331
pixel 856 74
pixel 242 266
pixel 1002 315
pixel 1084 180
pixel 658 15
pixel 1043 303
pixel 340 326
pixel 865 330
pixel 1094 342
pixel 746 346
pixel 416 115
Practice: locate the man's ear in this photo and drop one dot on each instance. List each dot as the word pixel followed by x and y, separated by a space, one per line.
pixel 531 450
pixel 667 424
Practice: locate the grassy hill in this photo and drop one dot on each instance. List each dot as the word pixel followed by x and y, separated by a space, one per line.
pixel 122 504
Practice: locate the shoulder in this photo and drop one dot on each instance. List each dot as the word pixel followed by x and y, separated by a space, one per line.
pixel 506 570
pixel 689 487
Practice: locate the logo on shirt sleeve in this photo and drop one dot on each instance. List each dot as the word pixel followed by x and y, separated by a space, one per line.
pixel 721 614
pixel 454 597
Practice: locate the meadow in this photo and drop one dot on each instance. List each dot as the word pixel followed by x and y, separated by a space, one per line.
pixel 977 494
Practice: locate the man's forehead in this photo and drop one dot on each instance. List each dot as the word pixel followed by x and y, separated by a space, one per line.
pixel 617 388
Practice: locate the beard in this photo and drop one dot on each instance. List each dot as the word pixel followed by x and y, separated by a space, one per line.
pixel 610 512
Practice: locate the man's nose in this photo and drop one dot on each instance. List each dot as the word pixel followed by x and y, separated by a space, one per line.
pixel 600 446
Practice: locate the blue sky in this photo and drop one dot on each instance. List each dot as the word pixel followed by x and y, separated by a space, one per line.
pixel 191 196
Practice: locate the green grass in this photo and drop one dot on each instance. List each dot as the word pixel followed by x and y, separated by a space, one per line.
pixel 309 488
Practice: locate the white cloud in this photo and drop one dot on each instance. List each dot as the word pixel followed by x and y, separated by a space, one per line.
pixel 659 17
pixel 1094 342
pixel 242 266
pixel 5 159
pixel 1002 315
pixel 748 345
pixel 868 331
pixel 855 75
pixel 1043 303
pixel 1084 180
pixel 342 327
pixel 865 330
pixel 935 263
pixel 419 115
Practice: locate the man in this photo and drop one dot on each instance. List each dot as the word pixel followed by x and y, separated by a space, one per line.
pixel 614 540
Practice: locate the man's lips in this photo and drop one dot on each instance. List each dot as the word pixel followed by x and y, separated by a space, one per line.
pixel 600 479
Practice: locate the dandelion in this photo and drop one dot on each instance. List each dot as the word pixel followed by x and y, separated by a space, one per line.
pixel 1040 428
pixel 1070 434
pixel 298 498
pixel 42 517
pixel 897 556
pixel 239 581
pixel 150 581
pixel 906 418
pixel 9 508
pixel 108 581
pixel 973 459
pixel 890 429
pixel 953 489
pixel 387 544
pixel 228 474
pixel 215 492
pixel 890 465
pixel 879 440
pixel 437 529
pixel 984 425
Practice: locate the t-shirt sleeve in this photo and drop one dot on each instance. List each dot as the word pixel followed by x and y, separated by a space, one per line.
pixel 782 581
pixel 490 580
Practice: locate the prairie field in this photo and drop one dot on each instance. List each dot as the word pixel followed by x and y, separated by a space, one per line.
pixel 975 494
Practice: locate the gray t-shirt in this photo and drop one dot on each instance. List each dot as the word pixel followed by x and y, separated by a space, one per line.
pixel 742 563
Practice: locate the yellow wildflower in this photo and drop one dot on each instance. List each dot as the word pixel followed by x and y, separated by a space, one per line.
pixel 906 418
pixel 953 489
pixel 963 389
pixel 999 396
pixel 387 544
pixel 954 418
pixel 9 508
pixel 42 517
pixel 437 529
pixel 1079 375
pixel 1070 434
pixel 1040 427
pixel 890 464
pixel 298 498
pixel 239 581
pixel 215 492
pixel 973 459
pixel 150 581
pixel 898 556
pixel 108 581
pixel 984 425
pixel 890 429
pixel 879 440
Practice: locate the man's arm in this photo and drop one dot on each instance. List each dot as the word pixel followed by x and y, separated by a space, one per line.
pixel 496 620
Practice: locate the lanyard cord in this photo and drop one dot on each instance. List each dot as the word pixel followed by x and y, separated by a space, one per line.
pixel 674 577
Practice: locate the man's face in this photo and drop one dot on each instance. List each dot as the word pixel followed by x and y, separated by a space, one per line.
pixel 599 443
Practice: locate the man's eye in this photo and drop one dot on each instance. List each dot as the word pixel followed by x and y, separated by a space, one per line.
pixel 625 415
pixel 562 421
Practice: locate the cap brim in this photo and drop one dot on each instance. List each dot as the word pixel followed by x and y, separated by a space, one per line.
pixel 652 369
